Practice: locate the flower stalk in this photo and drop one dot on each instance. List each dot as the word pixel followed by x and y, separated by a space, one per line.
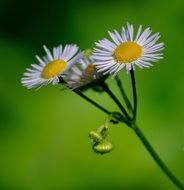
pixel 123 93
pixel 92 102
pixel 134 94
pixel 115 99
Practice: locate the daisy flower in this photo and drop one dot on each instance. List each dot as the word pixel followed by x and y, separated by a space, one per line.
pixel 52 66
pixel 127 50
pixel 81 74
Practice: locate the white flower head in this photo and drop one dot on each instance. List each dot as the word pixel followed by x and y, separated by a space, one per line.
pixel 127 50
pixel 52 66
pixel 81 74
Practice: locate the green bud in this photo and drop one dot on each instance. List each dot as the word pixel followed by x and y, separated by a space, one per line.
pixel 95 136
pixel 87 53
pixel 103 147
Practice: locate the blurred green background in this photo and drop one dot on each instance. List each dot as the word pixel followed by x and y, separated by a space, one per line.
pixel 44 141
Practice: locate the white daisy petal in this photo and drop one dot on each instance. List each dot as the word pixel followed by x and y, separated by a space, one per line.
pixel 118 69
pixel 72 50
pixel 124 34
pixel 60 51
pixel 130 31
pixel 103 46
pixel 49 55
pixel 114 37
pixel 152 39
pixel 145 63
pixel 40 60
pixel 37 67
pixel 97 57
pixel 55 53
pixel 103 63
pixel 75 59
pixel 113 69
pixel 118 36
pixel 102 54
pixel 155 47
pixel 144 35
pixel 64 53
pixel 96 51
pixel 108 43
pixel 139 64
pixel 138 33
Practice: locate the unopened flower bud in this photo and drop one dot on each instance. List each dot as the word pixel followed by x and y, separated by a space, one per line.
pixel 87 53
pixel 103 147
pixel 95 136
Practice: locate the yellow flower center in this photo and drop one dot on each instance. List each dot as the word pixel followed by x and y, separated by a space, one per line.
pixel 90 69
pixel 53 69
pixel 127 52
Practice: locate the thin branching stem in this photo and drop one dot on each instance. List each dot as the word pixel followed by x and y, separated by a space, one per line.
pixel 116 115
pixel 134 94
pixel 114 98
pixel 92 102
pixel 123 93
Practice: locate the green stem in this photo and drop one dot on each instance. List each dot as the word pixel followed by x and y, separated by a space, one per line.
pixel 116 115
pixel 156 157
pixel 125 97
pixel 92 102
pixel 134 94
pixel 113 97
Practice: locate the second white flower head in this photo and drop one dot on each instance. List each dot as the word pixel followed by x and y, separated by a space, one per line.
pixel 52 66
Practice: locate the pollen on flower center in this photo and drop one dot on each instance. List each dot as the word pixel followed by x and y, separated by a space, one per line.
pixel 90 69
pixel 87 74
pixel 127 52
pixel 53 69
